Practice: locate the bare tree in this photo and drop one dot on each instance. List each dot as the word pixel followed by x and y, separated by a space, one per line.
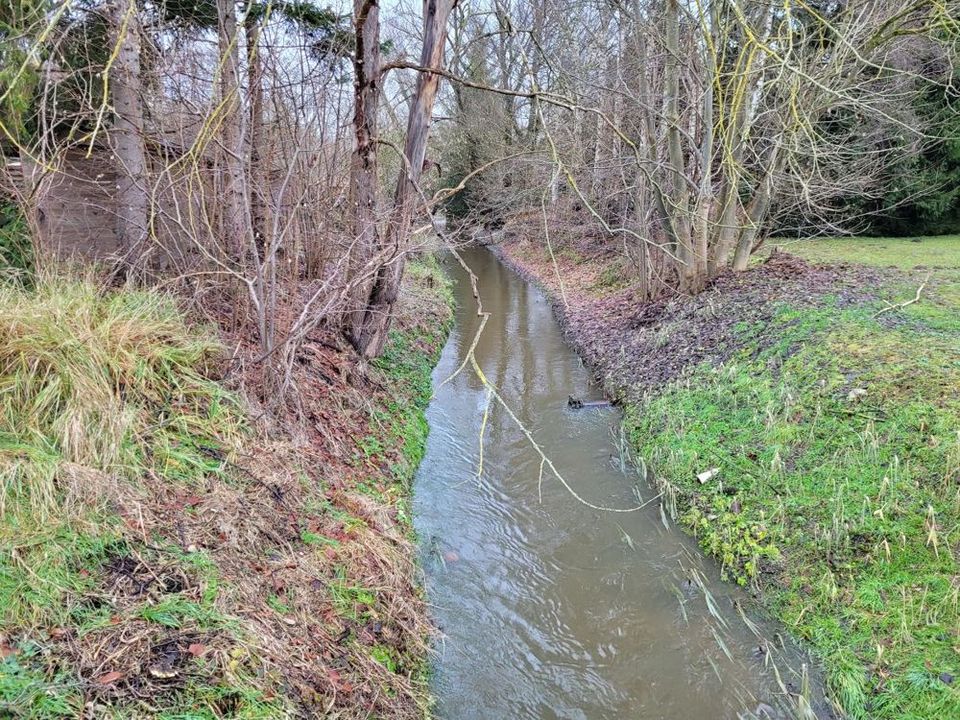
pixel 252 25
pixel 678 131
pixel 371 324
pixel 679 128
pixel 230 118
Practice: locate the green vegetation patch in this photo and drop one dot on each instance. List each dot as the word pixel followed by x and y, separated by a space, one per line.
pixel 136 558
pixel 16 248
pixel 941 251
pixel 103 397
pixel 835 433
pixel 386 459
pixel 407 366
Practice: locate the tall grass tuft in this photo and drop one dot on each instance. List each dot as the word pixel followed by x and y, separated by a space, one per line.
pixel 107 410
pixel 115 383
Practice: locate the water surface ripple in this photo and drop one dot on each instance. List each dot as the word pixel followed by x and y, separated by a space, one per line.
pixel 548 608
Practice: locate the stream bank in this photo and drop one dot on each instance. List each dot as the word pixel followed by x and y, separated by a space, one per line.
pixel 168 552
pixel 831 416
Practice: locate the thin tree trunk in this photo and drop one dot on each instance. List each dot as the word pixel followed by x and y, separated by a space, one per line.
pixel 258 175
pixel 370 334
pixel 730 229
pixel 743 84
pixel 234 210
pixel 756 214
pixel 649 127
pixel 512 127
pixel 126 137
pixel 680 201
pixel 701 221
pixel 363 163
pixel 728 225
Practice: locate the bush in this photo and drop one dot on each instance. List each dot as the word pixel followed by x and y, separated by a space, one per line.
pixel 16 250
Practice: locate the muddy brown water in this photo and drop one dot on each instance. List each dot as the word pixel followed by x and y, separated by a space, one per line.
pixel 549 608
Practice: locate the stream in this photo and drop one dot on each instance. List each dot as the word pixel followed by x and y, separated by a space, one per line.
pixel 547 607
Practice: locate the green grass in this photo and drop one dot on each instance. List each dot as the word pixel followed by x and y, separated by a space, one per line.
pixel 941 251
pixel 407 363
pixel 351 601
pixel 613 277
pixel 16 249
pixel 931 261
pixel 407 366
pixel 837 435
pixel 102 393
pixel 399 423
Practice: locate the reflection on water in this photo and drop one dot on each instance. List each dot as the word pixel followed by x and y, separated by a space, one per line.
pixel 548 608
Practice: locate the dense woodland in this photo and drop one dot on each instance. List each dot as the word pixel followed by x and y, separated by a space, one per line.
pixel 278 152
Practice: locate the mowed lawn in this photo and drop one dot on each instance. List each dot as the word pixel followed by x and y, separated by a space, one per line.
pixel 930 264
pixel 940 252
pixel 837 432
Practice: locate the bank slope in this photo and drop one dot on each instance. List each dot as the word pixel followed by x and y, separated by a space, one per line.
pixel 162 557
pixel 828 404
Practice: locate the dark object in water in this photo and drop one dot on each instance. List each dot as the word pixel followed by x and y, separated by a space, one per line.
pixel 577 403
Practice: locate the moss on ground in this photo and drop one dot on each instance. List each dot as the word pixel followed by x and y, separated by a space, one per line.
pixel 836 432
pixel 399 423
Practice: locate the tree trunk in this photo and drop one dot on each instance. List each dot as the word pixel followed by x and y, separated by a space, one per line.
pixel 728 222
pixel 756 213
pixel 363 164
pixel 370 333
pixel 701 221
pixel 126 137
pixel 740 112
pixel 534 59
pixel 232 171
pixel 648 125
pixel 258 175
pixel 681 193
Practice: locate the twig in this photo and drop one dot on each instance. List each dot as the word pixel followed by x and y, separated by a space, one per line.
pixel 900 306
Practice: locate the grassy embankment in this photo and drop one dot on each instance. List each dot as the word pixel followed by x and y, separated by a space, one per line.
pixel 836 430
pixel 160 557
pixel 833 415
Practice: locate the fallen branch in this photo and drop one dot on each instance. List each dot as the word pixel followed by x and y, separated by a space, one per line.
pixel 901 306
